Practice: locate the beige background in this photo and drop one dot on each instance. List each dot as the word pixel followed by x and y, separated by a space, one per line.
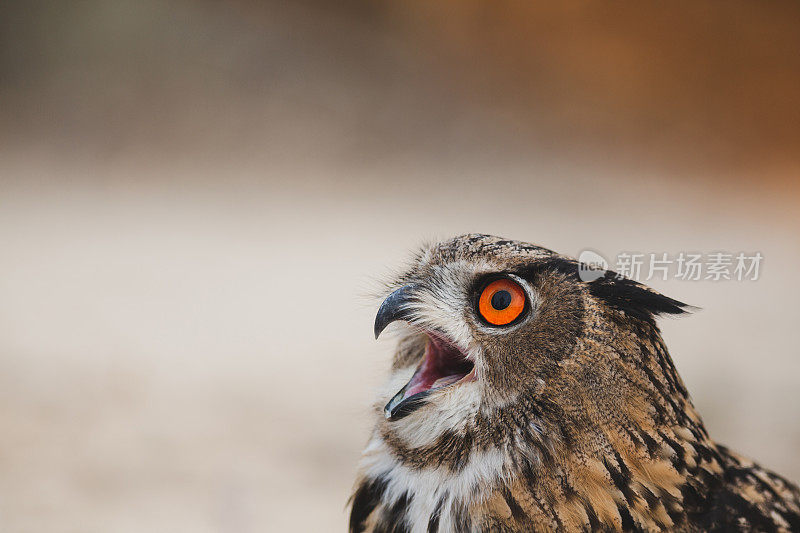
pixel 198 198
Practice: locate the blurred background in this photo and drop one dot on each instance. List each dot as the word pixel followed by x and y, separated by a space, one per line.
pixel 197 198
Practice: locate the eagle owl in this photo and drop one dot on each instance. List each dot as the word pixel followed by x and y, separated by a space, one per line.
pixel 522 398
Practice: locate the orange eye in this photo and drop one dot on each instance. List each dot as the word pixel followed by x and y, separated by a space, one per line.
pixel 501 302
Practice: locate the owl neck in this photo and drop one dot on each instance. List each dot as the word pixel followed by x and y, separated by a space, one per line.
pixel 546 468
pixel 515 465
pixel 612 476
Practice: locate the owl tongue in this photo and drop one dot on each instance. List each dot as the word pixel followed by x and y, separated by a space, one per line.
pixel 443 364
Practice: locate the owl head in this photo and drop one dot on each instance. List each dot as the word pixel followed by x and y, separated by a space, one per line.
pixel 504 334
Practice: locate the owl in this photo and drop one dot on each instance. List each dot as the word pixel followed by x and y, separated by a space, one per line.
pixel 522 398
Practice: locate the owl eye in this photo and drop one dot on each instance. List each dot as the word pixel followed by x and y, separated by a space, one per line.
pixel 501 302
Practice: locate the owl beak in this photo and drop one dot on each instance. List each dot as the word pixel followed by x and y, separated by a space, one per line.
pixel 442 364
pixel 394 307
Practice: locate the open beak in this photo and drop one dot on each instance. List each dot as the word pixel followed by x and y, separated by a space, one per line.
pixel 443 364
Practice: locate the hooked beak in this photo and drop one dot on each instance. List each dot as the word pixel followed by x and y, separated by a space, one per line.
pixel 394 307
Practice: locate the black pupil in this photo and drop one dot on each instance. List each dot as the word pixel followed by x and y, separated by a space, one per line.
pixel 501 300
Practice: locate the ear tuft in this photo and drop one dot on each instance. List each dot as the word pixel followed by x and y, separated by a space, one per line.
pixel 635 299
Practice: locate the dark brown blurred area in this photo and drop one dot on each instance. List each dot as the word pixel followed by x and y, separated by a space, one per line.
pixel 696 86
pixel 198 198
pixel 687 83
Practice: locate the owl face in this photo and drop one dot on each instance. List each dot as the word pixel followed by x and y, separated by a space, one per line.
pixel 490 321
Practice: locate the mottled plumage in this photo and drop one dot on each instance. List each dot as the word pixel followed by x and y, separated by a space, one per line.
pixel 573 417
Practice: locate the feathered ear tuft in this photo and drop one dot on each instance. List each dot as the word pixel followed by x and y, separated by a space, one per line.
pixel 620 293
pixel 635 299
